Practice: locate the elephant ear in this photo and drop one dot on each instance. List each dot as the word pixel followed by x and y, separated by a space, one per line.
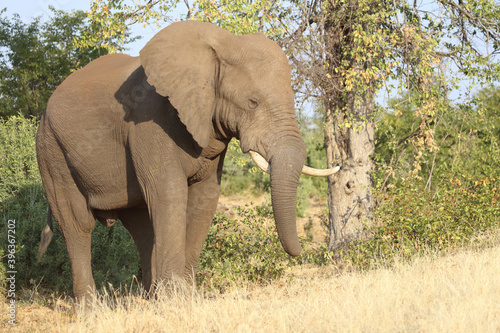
pixel 180 61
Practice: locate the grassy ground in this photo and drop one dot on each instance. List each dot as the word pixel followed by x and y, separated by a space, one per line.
pixel 459 292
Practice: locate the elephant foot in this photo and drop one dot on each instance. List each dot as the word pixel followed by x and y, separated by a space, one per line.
pixel 173 288
pixel 84 303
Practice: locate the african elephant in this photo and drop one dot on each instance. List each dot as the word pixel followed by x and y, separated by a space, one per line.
pixel 143 139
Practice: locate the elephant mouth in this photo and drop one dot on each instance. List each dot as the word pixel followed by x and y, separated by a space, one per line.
pixel 261 162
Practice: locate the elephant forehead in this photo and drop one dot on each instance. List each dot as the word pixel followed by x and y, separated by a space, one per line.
pixel 268 73
pixel 261 49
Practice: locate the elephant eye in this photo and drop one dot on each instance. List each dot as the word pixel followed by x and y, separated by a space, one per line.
pixel 252 103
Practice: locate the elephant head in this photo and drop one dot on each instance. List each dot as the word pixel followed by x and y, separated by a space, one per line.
pixel 226 86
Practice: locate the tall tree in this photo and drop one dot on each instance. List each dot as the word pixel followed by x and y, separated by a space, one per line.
pixel 36 57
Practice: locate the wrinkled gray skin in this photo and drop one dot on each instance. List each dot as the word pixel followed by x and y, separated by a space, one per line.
pixel 143 139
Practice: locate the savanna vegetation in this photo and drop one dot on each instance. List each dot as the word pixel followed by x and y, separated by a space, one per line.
pixel 433 162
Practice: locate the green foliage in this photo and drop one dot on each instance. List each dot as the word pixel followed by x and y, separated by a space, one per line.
pixel 414 221
pixel 240 175
pixel 115 259
pixel 18 165
pixel 110 21
pixel 22 198
pixel 454 196
pixel 246 248
pixel 28 208
pixel 466 138
pixel 37 57
pixel 242 17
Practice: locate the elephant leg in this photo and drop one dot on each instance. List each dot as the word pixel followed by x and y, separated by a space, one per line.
pixel 167 209
pixel 162 179
pixel 202 204
pixel 73 217
pixel 138 224
pixel 78 242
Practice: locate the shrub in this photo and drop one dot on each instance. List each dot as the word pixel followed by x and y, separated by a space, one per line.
pixel 18 165
pixel 438 198
pixel 413 221
pixel 246 248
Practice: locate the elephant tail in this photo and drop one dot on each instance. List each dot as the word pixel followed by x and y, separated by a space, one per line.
pixel 46 235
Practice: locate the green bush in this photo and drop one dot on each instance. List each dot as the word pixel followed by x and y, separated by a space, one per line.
pixel 21 194
pixel 18 165
pixel 451 201
pixel 246 248
pixel 414 221
pixel 115 259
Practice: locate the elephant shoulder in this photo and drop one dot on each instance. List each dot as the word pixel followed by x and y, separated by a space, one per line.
pixel 108 68
pixel 101 76
pixel 90 90
pixel 111 61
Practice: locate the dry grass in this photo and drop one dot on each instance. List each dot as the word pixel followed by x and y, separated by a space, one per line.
pixel 456 293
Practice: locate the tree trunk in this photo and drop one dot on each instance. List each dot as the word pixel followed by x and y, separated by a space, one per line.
pixel 350 200
pixel 349 133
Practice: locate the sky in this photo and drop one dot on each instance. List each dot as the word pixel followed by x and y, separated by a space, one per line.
pixel 28 9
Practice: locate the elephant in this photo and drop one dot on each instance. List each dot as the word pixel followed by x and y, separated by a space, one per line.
pixel 142 139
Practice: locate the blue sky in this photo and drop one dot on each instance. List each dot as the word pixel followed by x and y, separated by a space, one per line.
pixel 33 8
pixel 28 9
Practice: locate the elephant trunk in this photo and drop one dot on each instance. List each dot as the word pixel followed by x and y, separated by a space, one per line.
pixel 286 165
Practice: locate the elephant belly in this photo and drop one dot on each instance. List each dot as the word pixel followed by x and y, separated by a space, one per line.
pixel 114 198
pixel 107 180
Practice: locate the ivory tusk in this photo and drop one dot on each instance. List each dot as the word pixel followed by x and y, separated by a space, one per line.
pixel 264 166
pixel 260 161
pixel 319 172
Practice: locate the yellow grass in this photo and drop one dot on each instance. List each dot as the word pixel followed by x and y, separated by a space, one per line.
pixel 456 293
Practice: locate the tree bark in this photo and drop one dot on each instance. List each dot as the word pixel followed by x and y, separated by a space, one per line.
pixel 350 199
pixel 349 133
